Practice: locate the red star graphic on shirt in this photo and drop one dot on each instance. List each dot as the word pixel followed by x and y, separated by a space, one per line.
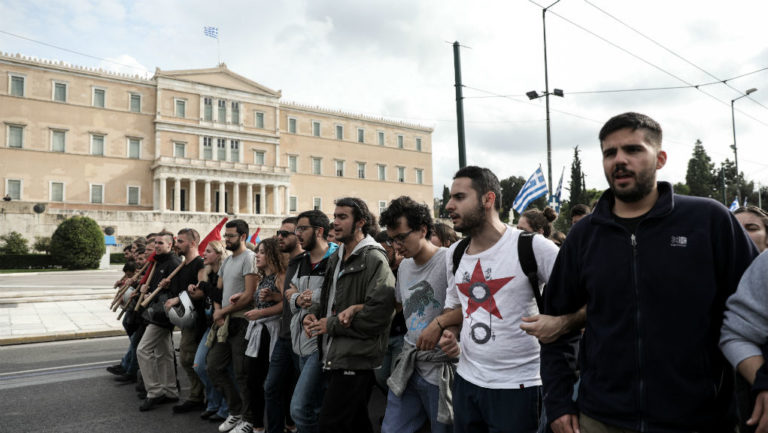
pixel 480 291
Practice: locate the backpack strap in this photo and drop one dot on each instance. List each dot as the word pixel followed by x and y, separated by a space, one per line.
pixel 458 253
pixel 528 263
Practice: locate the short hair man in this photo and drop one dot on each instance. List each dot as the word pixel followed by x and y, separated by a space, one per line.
pixel 420 372
pixel 282 374
pixel 578 212
pixel 304 289
pixel 358 277
pixel 654 270
pixel 236 276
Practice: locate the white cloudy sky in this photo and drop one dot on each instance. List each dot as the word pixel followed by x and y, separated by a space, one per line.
pixel 392 58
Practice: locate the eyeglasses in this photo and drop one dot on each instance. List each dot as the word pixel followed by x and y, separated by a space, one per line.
pixel 284 233
pixel 399 239
pixel 300 229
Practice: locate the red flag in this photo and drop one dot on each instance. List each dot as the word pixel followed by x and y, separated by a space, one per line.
pixel 214 235
pixel 255 238
pixel 151 260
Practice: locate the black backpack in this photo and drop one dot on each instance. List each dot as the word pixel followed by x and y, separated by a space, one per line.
pixel 524 254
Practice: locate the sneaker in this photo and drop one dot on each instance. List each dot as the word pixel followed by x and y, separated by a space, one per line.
pixel 243 427
pixel 116 369
pixel 231 422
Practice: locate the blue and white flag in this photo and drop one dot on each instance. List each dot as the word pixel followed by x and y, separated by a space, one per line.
pixel 735 204
pixel 554 201
pixel 745 202
pixel 212 32
pixel 534 188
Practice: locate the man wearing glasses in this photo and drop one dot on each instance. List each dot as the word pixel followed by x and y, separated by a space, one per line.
pixel 283 365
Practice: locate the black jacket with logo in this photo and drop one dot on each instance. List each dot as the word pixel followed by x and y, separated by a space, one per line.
pixel 649 356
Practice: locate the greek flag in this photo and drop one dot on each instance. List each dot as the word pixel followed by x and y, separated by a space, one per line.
pixel 554 201
pixel 534 188
pixel 735 204
pixel 212 32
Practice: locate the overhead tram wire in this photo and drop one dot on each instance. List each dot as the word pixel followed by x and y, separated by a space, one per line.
pixel 579 26
pixel 669 50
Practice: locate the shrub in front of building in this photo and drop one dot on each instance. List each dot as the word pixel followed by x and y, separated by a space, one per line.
pixel 13 243
pixel 78 243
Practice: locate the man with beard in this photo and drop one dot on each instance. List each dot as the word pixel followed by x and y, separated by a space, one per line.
pixel 305 285
pixel 155 350
pixel 357 274
pixel 283 368
pixel 497 383
pixel 654 270
pixel 236 275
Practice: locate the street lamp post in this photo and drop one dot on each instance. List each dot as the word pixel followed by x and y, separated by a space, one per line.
pixel 735 151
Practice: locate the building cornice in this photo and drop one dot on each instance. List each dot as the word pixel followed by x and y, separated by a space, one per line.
pixel 60 66
pixel 352 116
pixel 183 128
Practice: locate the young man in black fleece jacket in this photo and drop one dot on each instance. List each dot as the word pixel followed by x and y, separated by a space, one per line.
pixel 654 270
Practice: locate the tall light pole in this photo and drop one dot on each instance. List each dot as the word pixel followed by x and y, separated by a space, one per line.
pixel 735 152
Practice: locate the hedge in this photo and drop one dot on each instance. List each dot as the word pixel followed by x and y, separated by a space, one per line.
pixel 27 261
pixel 116 258
pixel 78 243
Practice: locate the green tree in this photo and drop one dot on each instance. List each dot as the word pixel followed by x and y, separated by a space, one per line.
pixel 446 197
pixel 78 243
pixel 681 188
pixel 14 243
pixel 729 183
pixel 577 180
pixel 42 244
pixel 700 177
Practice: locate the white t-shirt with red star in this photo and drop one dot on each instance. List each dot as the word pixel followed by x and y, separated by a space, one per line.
pixel 494 294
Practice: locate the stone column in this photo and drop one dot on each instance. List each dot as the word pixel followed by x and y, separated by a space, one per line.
pixel 263 199
pixel 177 195
pixel 222 192
pixel 236 198
pixel 207 197
pixel 249 198
pixel 162 194
pixel 275 200
pixel 192 195
pixel 287 200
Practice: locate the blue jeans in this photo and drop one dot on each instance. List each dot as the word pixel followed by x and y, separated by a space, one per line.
pixel 213 396
pixel 394 347
pixel 308 394
pixel 406 414
pixel 281 378
pixel 477 409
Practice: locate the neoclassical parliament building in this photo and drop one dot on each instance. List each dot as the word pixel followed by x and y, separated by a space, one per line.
pixel 186 148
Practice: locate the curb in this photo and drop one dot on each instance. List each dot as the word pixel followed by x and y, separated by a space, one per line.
pixel 59 298
pixel 26 339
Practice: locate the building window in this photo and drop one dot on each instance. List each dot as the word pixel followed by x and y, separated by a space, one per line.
pixel 97 144
pixel 99 97
pixel 57 191
pixel 291 125
pixel 317 166
pixel 221 149
pixel 208 109
pixel 60 92
pixel 316 129
pixel 293 203
pixel 234 150
pixel 340 168
pixel 207 148
pixel 16 136
pixel 361 170
pixel 133 195
pixel 399 141
pixel 382 171
pixel 418 144
pixel 293 163
pixel 134 148
pixel 236 113
pixel 181 108
pixel 179 149
pixel 401 174
pixel 58 141
pixel 16 85
pixel 13 188
pixel 135 104
pixel 419 176
pixel 381 138
pixel 382 206
pixel 258 157
pixel 260 120
pixel 222 115
pixel 97 194
pixel 339 132
pixel 360 135
pixel 317 203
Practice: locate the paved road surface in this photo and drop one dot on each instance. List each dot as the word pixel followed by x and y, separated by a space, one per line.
pixel 36 281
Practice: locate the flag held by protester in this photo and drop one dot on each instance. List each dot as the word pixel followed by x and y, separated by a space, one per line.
pixel 534 188
pixel 214 235
pixel 255 238
pixel 735 204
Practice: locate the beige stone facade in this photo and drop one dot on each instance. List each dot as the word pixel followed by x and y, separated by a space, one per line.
pixel 187 146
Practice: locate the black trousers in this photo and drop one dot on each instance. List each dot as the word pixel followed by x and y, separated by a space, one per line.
pixel 257 372
pixel 345 404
